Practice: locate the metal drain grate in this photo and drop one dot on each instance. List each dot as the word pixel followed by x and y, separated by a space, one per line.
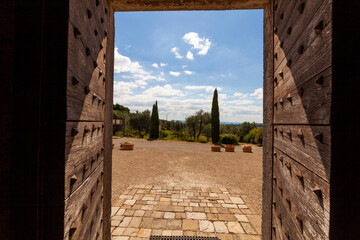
pixel 182 238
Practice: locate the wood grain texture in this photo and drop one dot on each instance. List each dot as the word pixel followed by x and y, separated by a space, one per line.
pixel 299 198
pixel 108 126
pixel 82 66
pixel 82 105
pixel 316 56
pixel 310 102
pixel 174 5
pixel 83 153
pixel 268 122
pixel 311 153
pixel 81 206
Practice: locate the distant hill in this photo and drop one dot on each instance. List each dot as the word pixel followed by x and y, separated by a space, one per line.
pixel 225 123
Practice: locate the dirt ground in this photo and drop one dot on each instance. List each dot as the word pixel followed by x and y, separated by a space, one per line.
pixel 173 163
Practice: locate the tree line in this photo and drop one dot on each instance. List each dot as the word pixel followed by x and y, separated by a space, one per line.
pixel 199 127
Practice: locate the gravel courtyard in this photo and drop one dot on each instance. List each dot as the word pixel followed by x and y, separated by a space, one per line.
pixel 172 165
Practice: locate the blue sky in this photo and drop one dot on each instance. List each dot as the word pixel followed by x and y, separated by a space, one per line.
pixel 178 58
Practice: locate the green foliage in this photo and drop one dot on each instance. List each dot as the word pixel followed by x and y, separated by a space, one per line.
pixel 244 130
pixel 215 119
pixel 154 125
pixel 121 108
pixel 163 134
pixel 202 140
pixel 228 139
pixel 254 136
pixel 140 121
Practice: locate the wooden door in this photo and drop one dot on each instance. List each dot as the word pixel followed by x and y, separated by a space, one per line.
pixel 301 120
pixel 86 101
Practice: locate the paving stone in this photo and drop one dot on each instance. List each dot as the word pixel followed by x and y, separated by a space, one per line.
pixel 148 213
pixel 191 225
pixel 156 232
pixel 129 213
pixel 220 227
pixel 139 213
pixel 138 196
pixel 174 224
pixel 188 209
pixel 159 223
pixel 115 223
pixel 164 203
pixel 248 237
pixel 223 210
pixel 126 197
pixel 114 210
pixel 130 202
pixel 169 215
pixel 164 199
pixel 121 238
pixel 226 217
pixel 196 215
pixel 214 210
pixel 135 222
pixel 206 226
pixel 183 204
pixel 256 222
pixel 125 222
pixel 212 217
pixel 146 222
pixel 249 229
pixel 177 233
pixel 166 233
pixel 152 202
pixel 226 236
pixel 246 211
pixel 214 195
pixel 116 217
pixel 118 231
pixel 235 210
pixel 144 233
pixel 189 233
pixel 118 202
pixel 235 227
pixel 136 238
pixel 147 207
pixel 132 232
pixel 157 214
pixel 148 198
pixel 178 209
pixel 180 215
pixel 242 206
pixel 227 205
pixel 192 204
pixel 241 218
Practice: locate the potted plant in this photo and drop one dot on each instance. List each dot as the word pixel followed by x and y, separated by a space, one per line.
pixel 247 149
pixel 127 146
pixel 216 148
pixel 230 148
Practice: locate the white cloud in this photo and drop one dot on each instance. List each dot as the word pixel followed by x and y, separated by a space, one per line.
pixel 163 64
pixel 201 44
pixel 166 90
pixel 127 46
pixel 206 88
pixel 155 65
pixel 175 50
pixel 175 74
pixel 241 95
pixel 124 64
pixel 184 66
pixel 162 74
pixel 188 72
pixel 258 93
pixel 189 55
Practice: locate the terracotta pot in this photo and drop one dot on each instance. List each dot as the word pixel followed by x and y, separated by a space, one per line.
pixel 249 150
pixel 216 148
pixel 127 146
pixel 230 149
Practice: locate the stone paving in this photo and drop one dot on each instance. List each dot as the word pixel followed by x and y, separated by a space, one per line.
pixel 145 210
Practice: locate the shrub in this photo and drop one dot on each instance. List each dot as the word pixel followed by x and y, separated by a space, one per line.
pixel 228 139
pixel 254 136
pixel 163 134
pixel 202 139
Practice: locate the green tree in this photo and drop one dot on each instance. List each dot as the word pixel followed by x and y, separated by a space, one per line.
pixel 244 130
pixel 215 119
pixel 140 121
pixel 192 125
pixel 154 125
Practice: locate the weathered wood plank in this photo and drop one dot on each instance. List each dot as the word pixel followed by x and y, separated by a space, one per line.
pixel 82 66
pixel 282 15
pixel 175 5
pixel 299 198
pixel 316 55
pixel 79 18
pixel 82 102
pixel 309 103
pixel 286 228
pixel 313 154
pixel 81 206
pixel 297 22
pixel 83 153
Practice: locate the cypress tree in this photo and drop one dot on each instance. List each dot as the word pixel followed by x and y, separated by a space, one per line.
pixel 154 124
pixel 215 119
pixel 157 134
